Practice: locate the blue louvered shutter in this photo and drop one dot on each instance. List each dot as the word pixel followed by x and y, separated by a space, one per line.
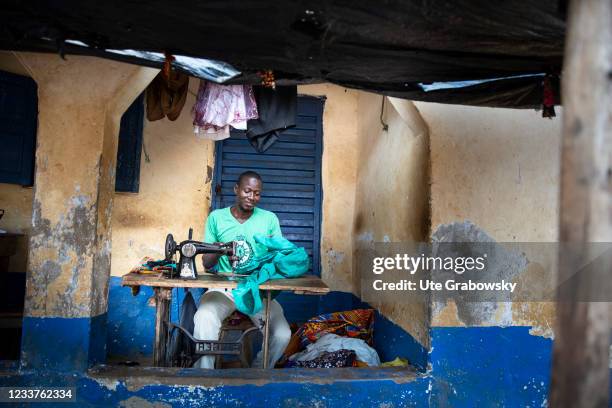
pixel 291 171
pixel 18 124
pixel 127 178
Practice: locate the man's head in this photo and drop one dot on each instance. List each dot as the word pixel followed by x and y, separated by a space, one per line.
pixel 248 190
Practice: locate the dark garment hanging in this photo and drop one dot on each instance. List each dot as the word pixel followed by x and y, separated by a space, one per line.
pixel 181 346
pixel 277 111
pixel 167 97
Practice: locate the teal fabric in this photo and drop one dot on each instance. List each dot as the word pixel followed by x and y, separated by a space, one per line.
pixel 276 258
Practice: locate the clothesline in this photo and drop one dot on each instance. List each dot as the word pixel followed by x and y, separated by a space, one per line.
pixel 262 112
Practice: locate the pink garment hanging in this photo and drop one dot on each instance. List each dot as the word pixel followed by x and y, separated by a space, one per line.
pixel 212 133
pixel 218 106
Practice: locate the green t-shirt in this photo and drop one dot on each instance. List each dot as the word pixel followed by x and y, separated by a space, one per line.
pixel 221 226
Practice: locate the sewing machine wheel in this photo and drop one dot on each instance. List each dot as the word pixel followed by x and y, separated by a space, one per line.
pixel 170 247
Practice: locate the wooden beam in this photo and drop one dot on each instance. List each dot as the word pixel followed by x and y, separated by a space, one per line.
pixel 163 296
pixel 580 376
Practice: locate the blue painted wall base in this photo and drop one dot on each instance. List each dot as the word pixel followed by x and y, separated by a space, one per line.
pixel 63 344
pixel 469 366
pixel 489 366
pixel 369 391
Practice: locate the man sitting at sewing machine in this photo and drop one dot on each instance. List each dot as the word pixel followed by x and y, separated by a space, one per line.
pixel 239 223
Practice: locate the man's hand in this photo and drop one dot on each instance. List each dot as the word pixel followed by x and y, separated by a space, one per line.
pixel 231 255
pixel 210 260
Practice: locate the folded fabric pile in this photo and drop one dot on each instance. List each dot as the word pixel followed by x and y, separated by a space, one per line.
pixel 274 258
pixel 352 323
pixel 218 107
pixel 332 343
pixel 327 359
pixel 351 330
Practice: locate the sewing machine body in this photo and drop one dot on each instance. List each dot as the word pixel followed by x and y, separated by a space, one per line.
pixel 188 250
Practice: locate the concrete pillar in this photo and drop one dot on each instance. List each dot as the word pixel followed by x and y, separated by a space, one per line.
pixel 81 101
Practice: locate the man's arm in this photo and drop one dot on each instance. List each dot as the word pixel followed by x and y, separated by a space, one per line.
pixel 210 237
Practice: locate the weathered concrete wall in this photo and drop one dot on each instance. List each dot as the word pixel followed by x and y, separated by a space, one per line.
pixel 74 181
pixel 339 174
pixel 10 63
pixel 16 200
pixel 495 176
pixel 499 169
pixel 392 192
pixel 175 190
pixel 496 167
pixel 81 100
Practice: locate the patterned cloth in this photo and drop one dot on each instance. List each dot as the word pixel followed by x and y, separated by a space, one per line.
pixel 340 358
pixel 353 323
pixel 219 106
pixel 332 342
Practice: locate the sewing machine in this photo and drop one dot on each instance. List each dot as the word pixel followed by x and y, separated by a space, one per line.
pixel 188 250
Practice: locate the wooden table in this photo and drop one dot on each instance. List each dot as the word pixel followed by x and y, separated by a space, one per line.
pixel 304 285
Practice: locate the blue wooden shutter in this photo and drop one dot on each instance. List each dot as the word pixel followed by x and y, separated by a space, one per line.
pixel 18 124
pixel 291 172
pixel 127 178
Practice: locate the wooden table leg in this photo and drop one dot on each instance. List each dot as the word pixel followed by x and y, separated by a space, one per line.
pixel 266 341
pixel 162 314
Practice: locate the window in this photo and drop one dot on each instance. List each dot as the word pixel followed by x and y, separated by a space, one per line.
pixel 18 124
pixel 129 148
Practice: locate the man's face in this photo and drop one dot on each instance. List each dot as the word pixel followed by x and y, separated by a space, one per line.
pixel 248 193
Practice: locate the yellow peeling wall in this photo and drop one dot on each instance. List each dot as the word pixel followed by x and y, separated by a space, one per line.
pixel 175 179
pixel 499 169
pixel 339 174
pixel 17 203
pixel 392 194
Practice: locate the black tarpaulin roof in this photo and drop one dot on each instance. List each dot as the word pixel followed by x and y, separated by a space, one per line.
pixel 394 47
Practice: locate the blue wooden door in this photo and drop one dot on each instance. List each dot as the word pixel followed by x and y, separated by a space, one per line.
pixel 291 172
